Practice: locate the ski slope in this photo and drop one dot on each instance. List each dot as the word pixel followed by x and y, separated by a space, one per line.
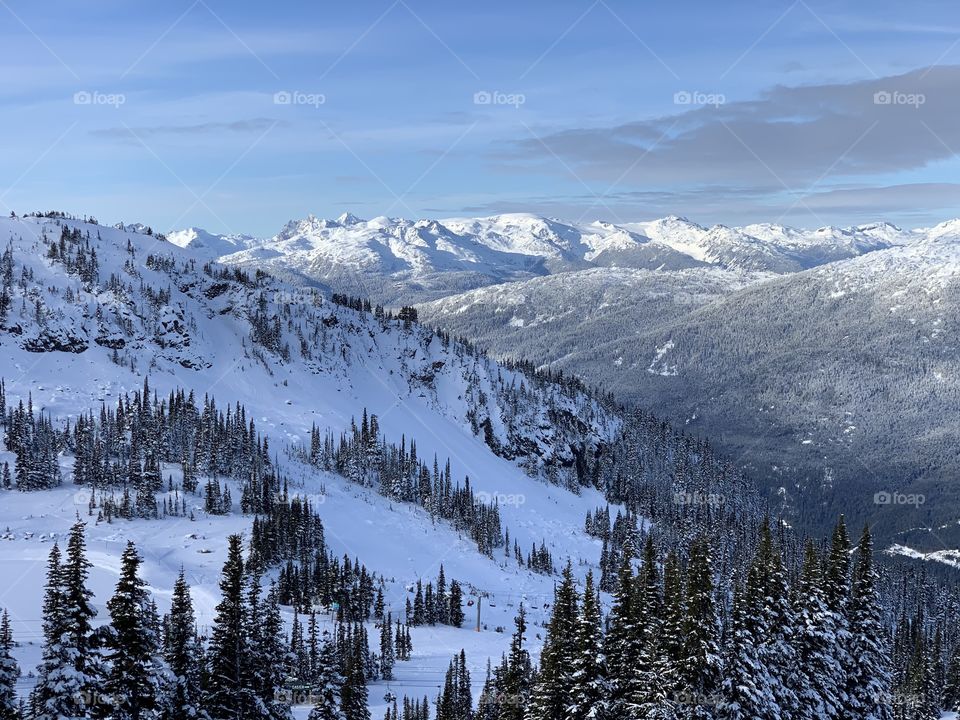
pixel 200 339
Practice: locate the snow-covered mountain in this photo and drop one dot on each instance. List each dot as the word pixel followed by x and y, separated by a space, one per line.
pixel 401 261
pixel 834 382
pixel 172 401
pixel 89 312
pixel 619 303
pixel 209 245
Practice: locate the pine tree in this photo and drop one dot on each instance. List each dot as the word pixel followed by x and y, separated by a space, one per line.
pixel 270 655
pixel 650 693
pixel 746 692
pixel 548 698
pixel 328 684
pixel 455 614
pixel 621 643
pixel 670 656
pixel 517 672
pixel 70 683
pixel 869 678
pixel 353 696
pixel 821 682
pixel 133 682
pixel 775 625
pixel 9 672
pixel 183 654
pixel 701 664
pixel 387 649
pixel 588 690
pixel 226 694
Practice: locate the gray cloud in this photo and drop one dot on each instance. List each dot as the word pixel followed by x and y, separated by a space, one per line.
pixel 909 204
pixel 790 139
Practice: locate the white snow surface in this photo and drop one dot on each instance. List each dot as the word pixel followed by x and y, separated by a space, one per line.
pixel 500 245
pixel 199 339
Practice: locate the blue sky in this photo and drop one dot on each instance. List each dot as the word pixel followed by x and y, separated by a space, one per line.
pixel 239 116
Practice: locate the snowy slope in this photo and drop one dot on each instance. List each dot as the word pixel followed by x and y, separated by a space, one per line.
pixel 833 383
pixel 71 344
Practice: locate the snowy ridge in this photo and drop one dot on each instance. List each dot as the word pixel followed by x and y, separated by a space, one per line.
pixel 88 317
pixel 401 261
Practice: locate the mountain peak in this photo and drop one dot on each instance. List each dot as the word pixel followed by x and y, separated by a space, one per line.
pixel 348 218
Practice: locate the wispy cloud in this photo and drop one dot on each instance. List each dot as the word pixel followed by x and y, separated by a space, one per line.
pixel 254 125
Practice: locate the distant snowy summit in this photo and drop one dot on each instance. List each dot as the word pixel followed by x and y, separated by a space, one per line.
pixel 427 258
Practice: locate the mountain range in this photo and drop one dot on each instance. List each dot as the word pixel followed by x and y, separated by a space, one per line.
pixel 819 360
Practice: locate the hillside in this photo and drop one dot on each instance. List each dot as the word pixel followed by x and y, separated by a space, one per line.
pixel 257 389
pixel 833 384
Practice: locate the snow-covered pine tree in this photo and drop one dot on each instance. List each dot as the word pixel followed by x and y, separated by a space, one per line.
pixel 670 656
pixel 548 697
pixel 9 672
pixel 183 654
pixel 515 680
pixel 821 682
pixel 650 697
pixel 767 591
pixel 701 666
pixel 387 657
pixel 226 696
pixel 837 592
pixel 353 694
pixel 621 643
pixel 869 678
pixel 271 654
pixel 588 692
pixel 455 701
pixel 328 684
pixel 134 679
pixel 746 692
pixel 70 683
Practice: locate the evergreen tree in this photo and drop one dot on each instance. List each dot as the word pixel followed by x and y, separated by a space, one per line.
pixel 328 684
pixel 746 693
pixel 701 664
pixel 387 649
pixel 182 652
pixel 548 698
pixel 649 698
pixel 819 693
pixel 868 686
pixel 621 644
pixel 353 697
pixel 227 695
pixel 9 672
pixel 588 691
pixel 517 672
pixel 133 682
pixel 70 683
pixel 455 614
